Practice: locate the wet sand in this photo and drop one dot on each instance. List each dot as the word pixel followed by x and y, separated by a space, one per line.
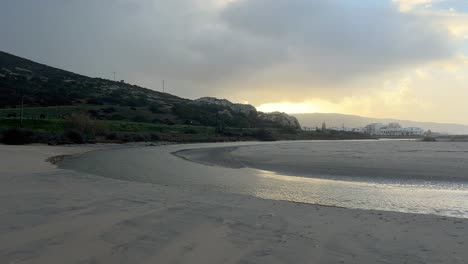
pixel 379 160
pixel 51 215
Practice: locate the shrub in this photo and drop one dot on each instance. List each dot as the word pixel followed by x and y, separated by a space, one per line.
pixel 108 110
pixel 74 136
pixel 190 131
pixel 263 135
pixel 112 136
pixel 80 122
pixel 95 101
pixel 289 130
pixel 117 117
pixel 133 137
pixel 168 122
pixel 138 138
pixel 154 108
pixel 157 121
pixel 154 137
pixel 139 119
pixel 47 137
pixel 83 124
pixel 17 136
pixel 93 113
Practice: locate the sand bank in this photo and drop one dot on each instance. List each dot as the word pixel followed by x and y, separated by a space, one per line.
pixel 50 215
pixel 390 159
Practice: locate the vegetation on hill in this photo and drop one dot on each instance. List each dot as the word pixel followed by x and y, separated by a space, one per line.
pixel 39 103
pixel 81 129
pixel 50 93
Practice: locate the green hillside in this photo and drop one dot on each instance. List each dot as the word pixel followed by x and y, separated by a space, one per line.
pixel 50 93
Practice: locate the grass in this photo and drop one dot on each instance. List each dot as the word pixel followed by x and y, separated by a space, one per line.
pixel 38 112
pixel 35 125
pixel 99 112
pixel 125 126
pixel 59 125
pixel 57 131
pixel 122 130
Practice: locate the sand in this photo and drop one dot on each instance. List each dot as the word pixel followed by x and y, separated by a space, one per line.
pixel 387 159
pixel 50 215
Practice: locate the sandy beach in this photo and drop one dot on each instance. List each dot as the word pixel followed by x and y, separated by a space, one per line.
pixel 53 215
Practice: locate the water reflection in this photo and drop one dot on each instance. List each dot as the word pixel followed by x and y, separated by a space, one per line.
pixel 157 165
pixel 447 199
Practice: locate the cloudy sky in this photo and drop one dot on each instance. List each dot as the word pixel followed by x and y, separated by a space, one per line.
pixel 381 58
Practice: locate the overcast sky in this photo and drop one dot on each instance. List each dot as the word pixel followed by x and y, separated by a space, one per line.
pixel 381 58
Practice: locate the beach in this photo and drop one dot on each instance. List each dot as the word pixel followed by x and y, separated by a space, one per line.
pixel 372 159
pixel 55 214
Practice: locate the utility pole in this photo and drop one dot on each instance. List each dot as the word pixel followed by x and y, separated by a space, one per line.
pixel 164 88
pixel 22 110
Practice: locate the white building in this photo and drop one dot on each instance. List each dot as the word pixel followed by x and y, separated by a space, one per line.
pixel 373 129
pixel 392 129
pixel 413 131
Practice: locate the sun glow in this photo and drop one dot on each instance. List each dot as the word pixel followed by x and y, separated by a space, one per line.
pixel 290 108
pixel 222 3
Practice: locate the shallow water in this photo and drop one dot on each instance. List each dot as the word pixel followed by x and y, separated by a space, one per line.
pixel 402 176
pixel 443 198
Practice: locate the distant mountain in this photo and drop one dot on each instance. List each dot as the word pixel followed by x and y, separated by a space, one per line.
pixel 338 120
pixel 39 85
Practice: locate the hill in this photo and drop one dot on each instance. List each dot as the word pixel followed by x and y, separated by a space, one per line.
pixel 51 93
pixel 338 120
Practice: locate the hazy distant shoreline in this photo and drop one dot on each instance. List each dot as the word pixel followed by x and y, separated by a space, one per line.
pixel 339 120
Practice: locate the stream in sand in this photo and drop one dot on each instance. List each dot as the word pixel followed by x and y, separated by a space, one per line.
pixel 403 176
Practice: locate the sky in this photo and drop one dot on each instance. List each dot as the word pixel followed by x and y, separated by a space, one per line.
pixel 405 59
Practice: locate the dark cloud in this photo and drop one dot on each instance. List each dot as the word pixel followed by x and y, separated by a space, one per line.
pixel 337 40
pixel 202 49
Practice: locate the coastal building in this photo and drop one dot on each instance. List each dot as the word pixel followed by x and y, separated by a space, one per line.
pixel 358 130
pixel 377 129
pixel 373 129
pixel 392 129
pixel 413 131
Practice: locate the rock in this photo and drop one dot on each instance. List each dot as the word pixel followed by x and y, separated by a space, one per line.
pixel 280 118
pixel 225 113
pixel 243 108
